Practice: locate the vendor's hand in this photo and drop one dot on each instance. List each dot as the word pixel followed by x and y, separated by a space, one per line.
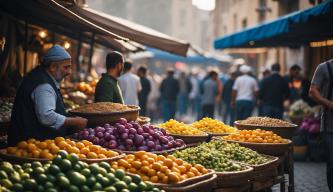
pixel 80 122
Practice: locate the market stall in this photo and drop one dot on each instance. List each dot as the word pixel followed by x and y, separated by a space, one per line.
pixel 118 153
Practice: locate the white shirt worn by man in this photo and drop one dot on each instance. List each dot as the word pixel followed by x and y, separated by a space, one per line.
pixel 246 86
pixel 130 86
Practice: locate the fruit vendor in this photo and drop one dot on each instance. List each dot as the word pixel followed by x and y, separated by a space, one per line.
pixel 39 110
pixel 107 88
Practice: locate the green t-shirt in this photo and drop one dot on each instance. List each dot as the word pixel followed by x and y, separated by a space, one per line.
pixel 108 90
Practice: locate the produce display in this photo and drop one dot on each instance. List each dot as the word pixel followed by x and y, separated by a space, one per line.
pixel 231 151
pixel 256 136
pixel 102 107
pixel 67 173
pixel 87 88
pixel 311 125
pixel 130 136
pixel 174 127
pixel 300 108
pixel 210 156
pixel 210 125
pixel 265 121
pixel 70 104
pixel 48 149
pixel 158 168
pixel 5 110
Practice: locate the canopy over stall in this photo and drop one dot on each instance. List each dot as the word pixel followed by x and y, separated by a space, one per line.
pixel 133 31
pixel 295 29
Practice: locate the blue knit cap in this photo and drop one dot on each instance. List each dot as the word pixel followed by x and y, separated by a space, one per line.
pixel 56 53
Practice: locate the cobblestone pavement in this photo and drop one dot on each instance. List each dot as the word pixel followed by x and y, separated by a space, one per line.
pixel 309 177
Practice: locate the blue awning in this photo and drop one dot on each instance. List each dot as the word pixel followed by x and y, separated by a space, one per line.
pixel 294 29
pixel 162 55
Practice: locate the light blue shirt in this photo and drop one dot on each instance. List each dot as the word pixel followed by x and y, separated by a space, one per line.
pixel 209 92
pixel 44 98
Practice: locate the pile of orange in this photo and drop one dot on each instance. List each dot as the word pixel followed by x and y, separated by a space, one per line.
pixel 48 149
pixel 256 136
pixel 158 168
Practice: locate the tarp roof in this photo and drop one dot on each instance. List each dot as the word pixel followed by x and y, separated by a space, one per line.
pixel 133 31
pixel 295 29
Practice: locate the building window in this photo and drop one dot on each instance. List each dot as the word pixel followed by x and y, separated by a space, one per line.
pixel 262 10
pixel 244 23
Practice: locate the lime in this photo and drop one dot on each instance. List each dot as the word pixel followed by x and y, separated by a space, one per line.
pixel 136 179
pixel 142 186
pixel 119 173
pixel 38 171
pixel 63 154
pixel 26 165
pixel 110 189
pixel 17 167
pixel 6 166
pixel 40 188
pixel 6 183
pixel 86 172
pixel 77 167
pixel 94 168
pixel 149 187
pixel 57 160
pixel 65 165
pixel 85 188
pixel 61 174
pixel 125 190
pixel 15 177
pixel 36 164
pixel 105 165
pixel 102 171
pixel 77 178
pixel 25 176
pixel 112 170
pixel 3 174
pixel 30 184
pixel 133 187
pixel 63 182
pixel 119 185
pixel 51 178
pixel 73 158
pixel 111 177
pixel 54 169
pixel 73 188
pixel 48 185
pixel 42 178
pixel 97 187
pixel 91 181
pixel 127 179
pixel 156 190
pixel 18 187
pixel 105 181
pixel 51 190
pixel 83 164
pixel 28 170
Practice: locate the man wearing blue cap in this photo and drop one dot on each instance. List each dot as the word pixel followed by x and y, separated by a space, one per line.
pixel 39 110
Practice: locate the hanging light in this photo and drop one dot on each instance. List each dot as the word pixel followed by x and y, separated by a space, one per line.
pixel 42 34
pixel 67 45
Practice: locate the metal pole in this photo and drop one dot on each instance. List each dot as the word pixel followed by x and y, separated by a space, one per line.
pixel 25 47
pixel 92 41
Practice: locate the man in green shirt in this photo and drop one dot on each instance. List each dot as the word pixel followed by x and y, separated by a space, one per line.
pixel 107 88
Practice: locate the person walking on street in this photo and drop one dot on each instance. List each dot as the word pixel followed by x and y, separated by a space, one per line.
pixel 185 88
pixel 146 88
pixel 39 110
pixel 210 94
pixel 321 90
pixel 294 81
pixel 130 85
pixel 273 92
pixel 107 88
pixel 229 111
pixel 169 90
pixel 244 94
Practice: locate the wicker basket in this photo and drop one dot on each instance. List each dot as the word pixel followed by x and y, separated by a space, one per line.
pixel 285 132
pixel 204 185
pixel 189 139
pixel 274 149
pixel 143 120
pixel 21 160
pixel 98 119
pixel 233 178
pixel 155 152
